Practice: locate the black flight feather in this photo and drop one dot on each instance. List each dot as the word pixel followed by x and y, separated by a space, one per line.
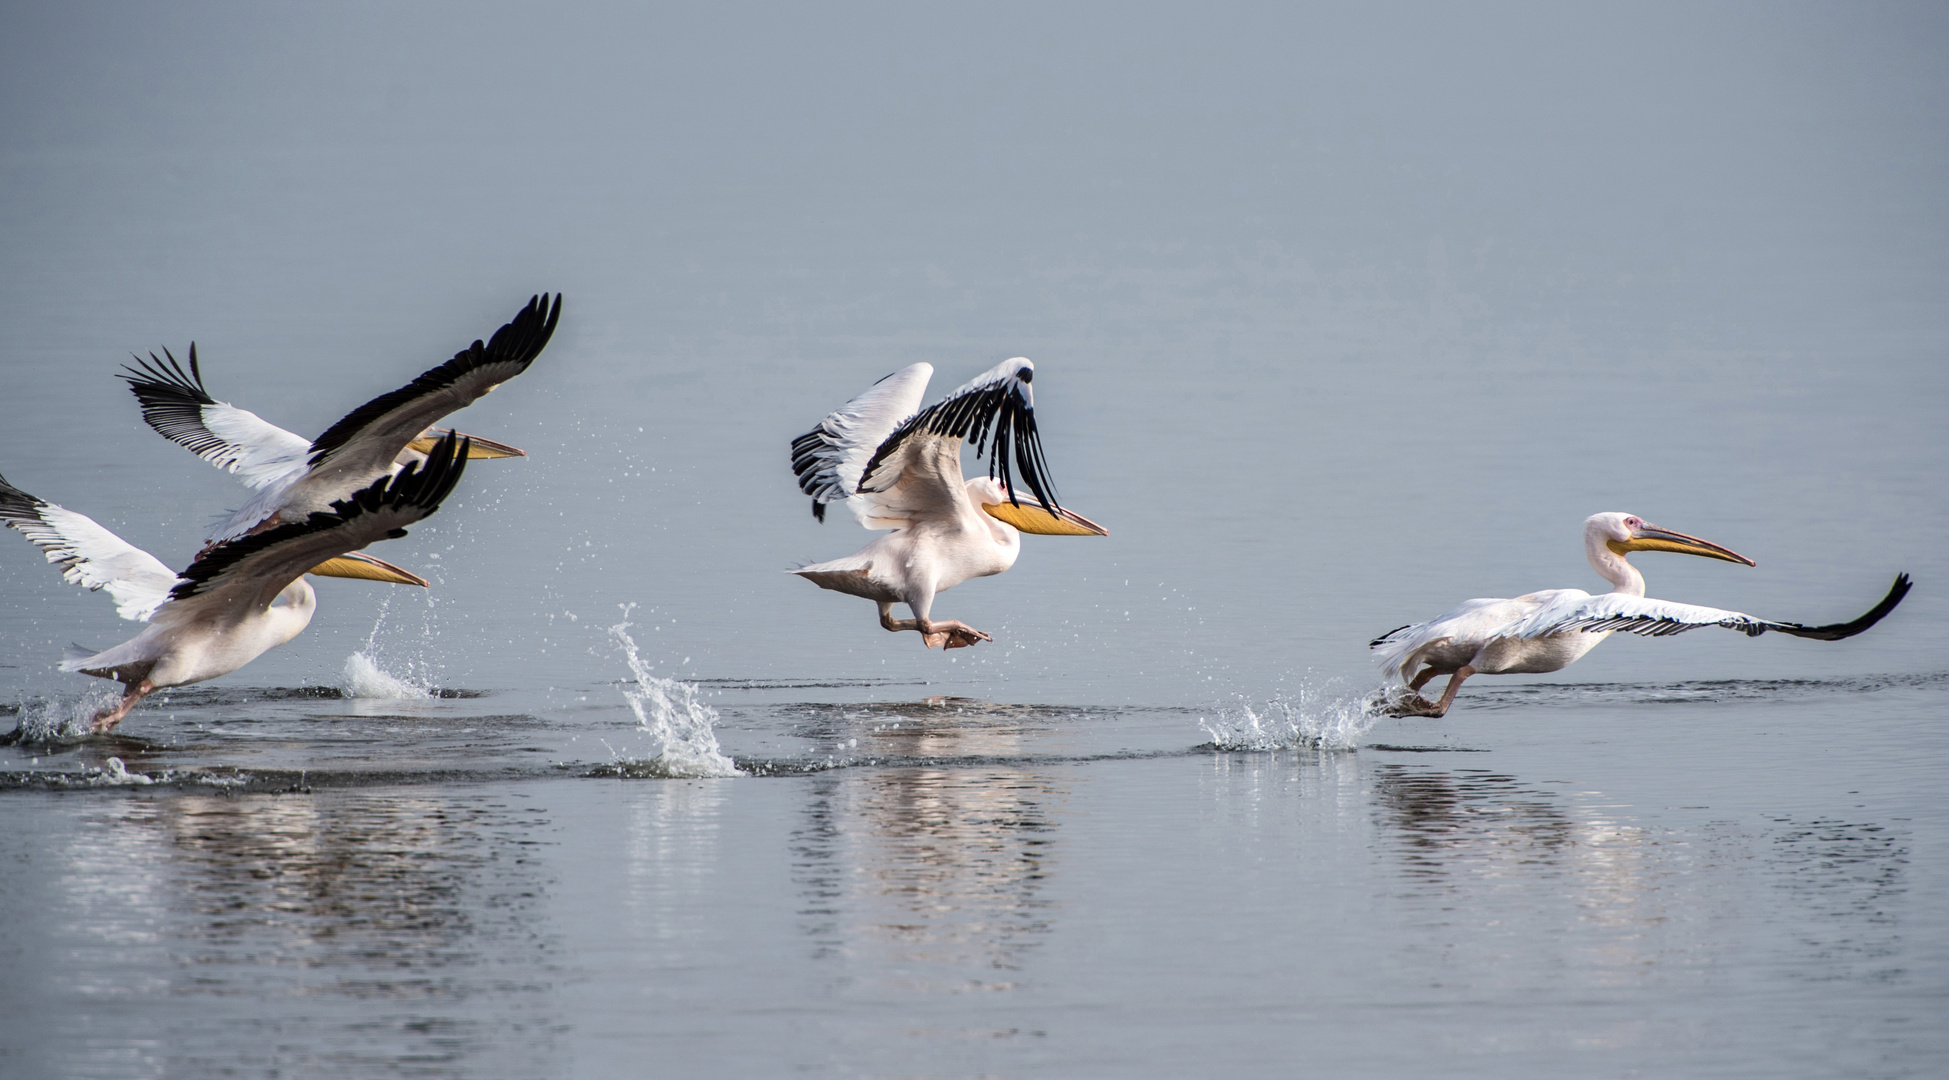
pixel 172 400
pixel 1648 626
pixel 995 416
pixel 517 343
pixel 420 487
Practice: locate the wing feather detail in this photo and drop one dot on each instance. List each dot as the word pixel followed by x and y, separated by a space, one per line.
pixel 995 412
pixel 88 554
pixel 830 460
pixel 1662 618
pixel 176 404
pixel 379 429
pixel 255 568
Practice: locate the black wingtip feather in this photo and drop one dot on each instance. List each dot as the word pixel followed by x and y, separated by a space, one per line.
pixel 172 400
pixel 999 422
pixel 517 343
pixel 1379 641
pixel 17 505
pixel 1838 631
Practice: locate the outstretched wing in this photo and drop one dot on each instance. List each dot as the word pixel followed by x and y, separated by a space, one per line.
pixel 1660 618
pixel 89 555
pixel 996 412
pixel 365 443
pixel 830 459
pixel 252 570
pixel 174 402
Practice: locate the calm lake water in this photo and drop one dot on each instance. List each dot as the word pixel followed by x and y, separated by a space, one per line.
pixel 1339 318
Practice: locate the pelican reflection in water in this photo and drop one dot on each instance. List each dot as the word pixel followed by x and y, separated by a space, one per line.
pixel 944 866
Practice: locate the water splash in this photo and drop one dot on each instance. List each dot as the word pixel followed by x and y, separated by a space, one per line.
pixel 62 718
pixel 115 774
pixel 364 678
pixel 674 715
pixel 1315 719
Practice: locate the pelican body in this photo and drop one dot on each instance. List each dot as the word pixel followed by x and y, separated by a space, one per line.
pixel 239 599
pixel 1550 630
pixel 898 467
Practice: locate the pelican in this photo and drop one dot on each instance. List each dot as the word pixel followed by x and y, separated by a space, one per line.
pixel 237 600
pixel 898 467
pixel 294 476
pixel 1549 630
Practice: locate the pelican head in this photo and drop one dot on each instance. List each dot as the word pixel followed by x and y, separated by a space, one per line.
pixel 1625 533
pixel 1026 513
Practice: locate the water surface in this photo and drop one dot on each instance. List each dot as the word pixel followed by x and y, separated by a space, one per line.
pixel 1340 317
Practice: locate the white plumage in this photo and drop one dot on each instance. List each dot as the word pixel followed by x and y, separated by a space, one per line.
pixel 898 467
pixel 293 476
pixel 1549 630
pixel 236 600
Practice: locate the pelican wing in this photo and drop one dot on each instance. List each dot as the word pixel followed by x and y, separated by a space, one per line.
pixel 89 555
pixel 1469 624
pixel 365 443
pixel 831 459
pixel 1661 618
pixel 252 570
pixel 175 403
pixel 995 411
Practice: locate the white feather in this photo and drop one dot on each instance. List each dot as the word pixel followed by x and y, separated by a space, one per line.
pixel 846 439
pixel 94 558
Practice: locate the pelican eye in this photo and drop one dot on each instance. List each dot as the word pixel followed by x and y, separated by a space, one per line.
pixel 1026 374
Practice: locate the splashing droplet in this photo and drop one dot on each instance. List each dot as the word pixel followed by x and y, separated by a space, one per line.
pixel 671 712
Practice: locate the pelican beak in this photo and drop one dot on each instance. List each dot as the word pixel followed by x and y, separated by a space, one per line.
pixel 1034 518
pixel 478 448
pixel 357 564
pixel 1649 537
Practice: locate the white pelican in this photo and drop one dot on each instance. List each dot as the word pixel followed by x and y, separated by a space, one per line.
pixel 294 476
pixel 899 467
pixel 240 598
pixel 1549 630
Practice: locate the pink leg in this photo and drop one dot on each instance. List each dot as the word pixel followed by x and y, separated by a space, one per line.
pixel 108 718
pixel 1448 692
pixel 950 633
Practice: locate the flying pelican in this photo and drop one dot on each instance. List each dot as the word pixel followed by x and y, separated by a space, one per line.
pixel 294 476
pixel 1549 630
pixel 897 466
pixel 239 599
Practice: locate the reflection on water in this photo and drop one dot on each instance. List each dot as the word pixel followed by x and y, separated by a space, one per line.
pixel 290 916
pixel 1446 822
pixel 939 873
pixel 672 842
pixel 1575 876
pixel 1849 877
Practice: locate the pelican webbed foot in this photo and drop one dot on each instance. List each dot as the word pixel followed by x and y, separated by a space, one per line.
pixel 1410 704
pixel 952 635
pixel 106 719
